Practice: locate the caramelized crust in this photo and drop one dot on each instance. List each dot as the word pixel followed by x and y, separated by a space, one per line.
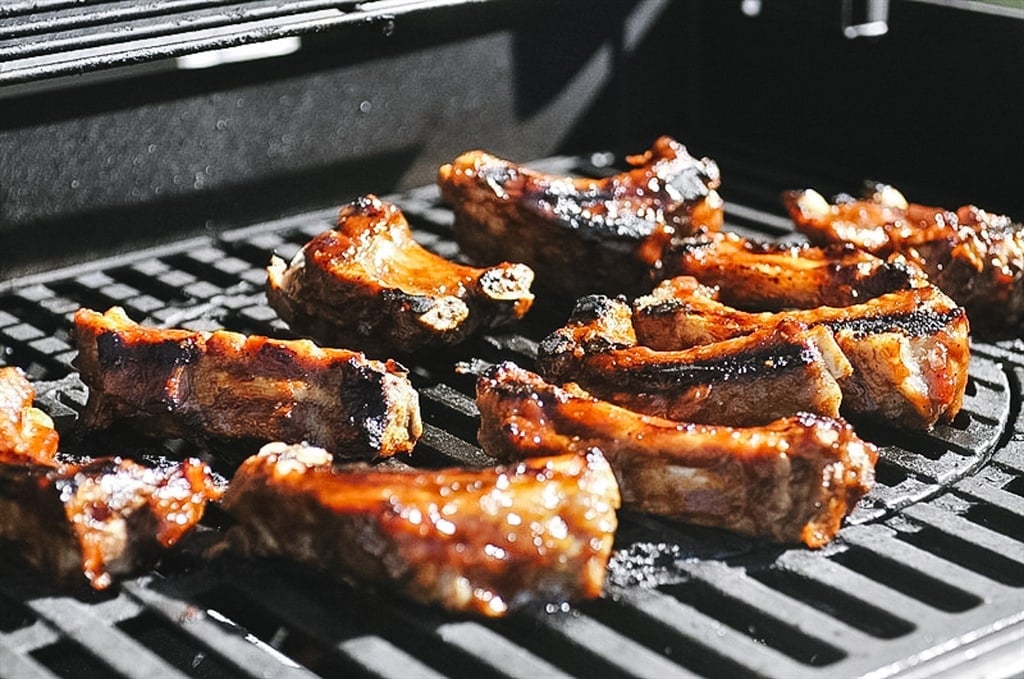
pixel 909 349
pixel 974 256
pixel 104 519
pixel 223 385
pixel 26 433
pixel 766 275
pixel 744 381
pixel 483 541
pixel 581 235
pixel 367 284
pixel 794 479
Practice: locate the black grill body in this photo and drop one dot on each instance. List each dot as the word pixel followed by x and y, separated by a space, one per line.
pixel 926 578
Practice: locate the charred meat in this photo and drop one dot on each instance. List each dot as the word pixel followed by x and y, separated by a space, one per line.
pixel 765 275
pixel 745 381
pixel 26 432
pixel 224 385
pixel 909 349
pixel 975 257
pixel 483 541
pixel 367 284
pixel 105 519
pixel 794 479
pixel 581 235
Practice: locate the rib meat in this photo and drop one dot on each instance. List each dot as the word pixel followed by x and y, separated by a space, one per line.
pixel 581 235
pixel 792 479
pixel 909 349
pixel 974 256
pixel 762 275
pixel 367 284
pixel 26 433
pixel 105 519
pixel 745 381
pixel 224 385
pixel 483 541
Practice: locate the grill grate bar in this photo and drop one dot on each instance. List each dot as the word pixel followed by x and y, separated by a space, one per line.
pixel 710 636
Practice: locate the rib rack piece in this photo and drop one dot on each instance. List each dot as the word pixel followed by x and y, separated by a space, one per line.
pixel 483 541
pixel 794 479
pixel 105 519
pixel 765 275
pixel 909 349
pixel 26 433
pixel 224 385
pixel 581 235
pixel 367 284
pixel 745 381
pixel 975 257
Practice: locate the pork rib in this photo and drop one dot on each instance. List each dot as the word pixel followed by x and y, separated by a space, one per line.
pixel 367 284
pixel 765 275
pixel 224 385
pixel 581 235
pixel 102 519
pixel 26 432
pixel 909 349
pixel 744 381
pixel 794 479
pixel 483 541
pixel 975 257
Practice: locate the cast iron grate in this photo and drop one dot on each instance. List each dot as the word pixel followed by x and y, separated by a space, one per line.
pixel 928 573
pixel 42 39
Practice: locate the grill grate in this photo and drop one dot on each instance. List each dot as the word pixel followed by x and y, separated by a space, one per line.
pixel 47 38
pixel 927 575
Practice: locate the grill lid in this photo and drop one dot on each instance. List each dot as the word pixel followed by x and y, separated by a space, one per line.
pixel 926 577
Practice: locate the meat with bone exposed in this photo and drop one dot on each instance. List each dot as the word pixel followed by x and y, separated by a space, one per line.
pixel 367 284
pixel 976 257
pixel 744 381
pixel 794 479
pixel 225 385
pixel 579 234
pixel 760 275
pixel 909 349
pixel 485 541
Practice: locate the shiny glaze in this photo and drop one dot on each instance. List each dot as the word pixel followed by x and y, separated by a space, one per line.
pixel 794 479
pixel 747 380
pixel 368 284
pixel 909 349
pixel 582 234
pixel 766 275
pixel 484 541
pixel 226 385
pixel 26 433
pixel 976 257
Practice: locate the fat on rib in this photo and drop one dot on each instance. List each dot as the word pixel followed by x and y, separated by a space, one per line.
pixel 793 479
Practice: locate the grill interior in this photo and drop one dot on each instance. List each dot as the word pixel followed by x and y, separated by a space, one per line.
pixel 927 575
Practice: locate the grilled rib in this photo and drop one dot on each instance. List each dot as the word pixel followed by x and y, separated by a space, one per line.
pixel 794 479
pixel 745 381
pixel 367 284
pixel 224 385
pixel 760 275
pixel 103 519
pixel 974 256
pixel 484 541
pixel 26 433
pixel 909 349
pixel 581 235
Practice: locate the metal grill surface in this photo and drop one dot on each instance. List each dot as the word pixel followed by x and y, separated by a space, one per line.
pixel 927 575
